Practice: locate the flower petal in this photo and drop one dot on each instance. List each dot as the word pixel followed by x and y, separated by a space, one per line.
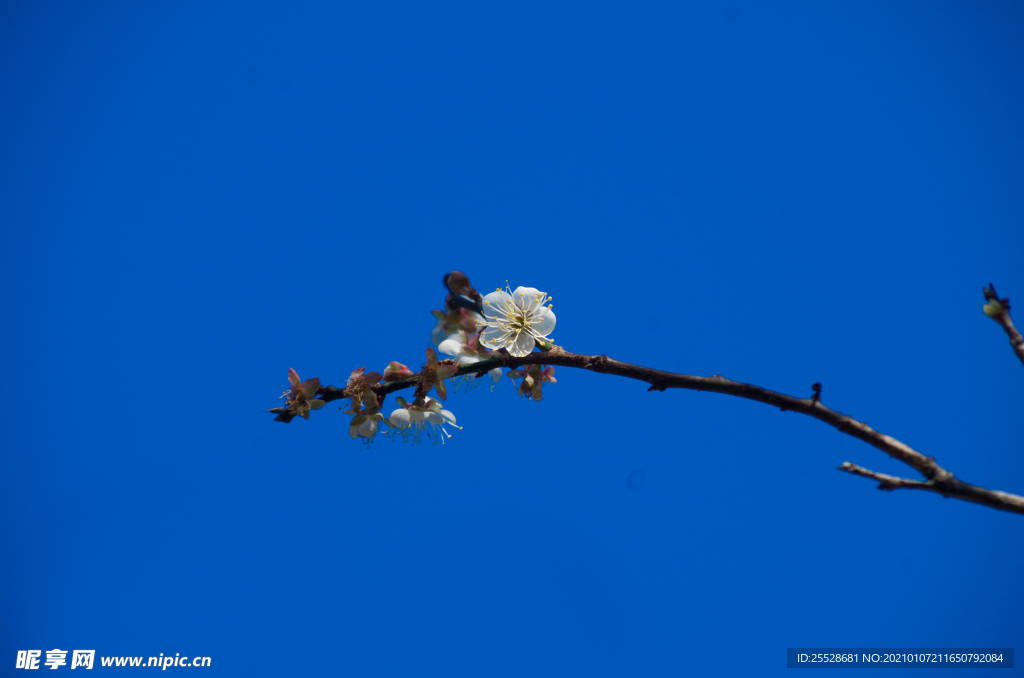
pixel 316 404
pixel 293 379
pixel 495 338
pixel 442 392
pixel 431 357
pixel 496 304
pixel 448 417
pixel 544 323
pixel 495 375
pixel 522 345
pixel 400 418
pixel 438 334
pixel 527 298
pixel 451 346
pixel 310 387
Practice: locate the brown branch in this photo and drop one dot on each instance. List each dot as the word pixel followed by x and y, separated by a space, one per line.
pixel 999 310
pixel 950 487
pixel 937 478
pixel 1016 340
pixel 886 482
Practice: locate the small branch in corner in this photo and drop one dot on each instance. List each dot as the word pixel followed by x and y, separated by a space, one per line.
pixel 886 482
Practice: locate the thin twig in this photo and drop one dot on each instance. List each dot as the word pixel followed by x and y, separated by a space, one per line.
pixel 951 487
pixel 886 482
pixel 938 479
pixel 999 310
pixel 1016 340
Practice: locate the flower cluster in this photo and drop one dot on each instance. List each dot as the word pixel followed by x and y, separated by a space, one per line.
pixel 365 407
pixel 423 416
pixel 479 333
pixel 466 349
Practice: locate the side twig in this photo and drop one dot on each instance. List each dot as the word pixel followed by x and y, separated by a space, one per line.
pixel 999 310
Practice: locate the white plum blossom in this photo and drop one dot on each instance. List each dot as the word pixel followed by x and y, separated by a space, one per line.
pixel 516 320
pixel 366 430
pixel 419 417
pixel 468 350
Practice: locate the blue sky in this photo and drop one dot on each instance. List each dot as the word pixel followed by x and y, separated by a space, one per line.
pixel 196 197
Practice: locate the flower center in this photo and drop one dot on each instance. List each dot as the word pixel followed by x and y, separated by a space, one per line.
pixel 517 321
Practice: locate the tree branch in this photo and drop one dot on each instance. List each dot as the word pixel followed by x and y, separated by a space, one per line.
pixel 951 487
pixel 1016 340
pixel 937 478
pixel 999 310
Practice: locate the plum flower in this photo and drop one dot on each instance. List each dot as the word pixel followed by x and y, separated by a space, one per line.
pixel 534 377
pixel 301 398
pixel 422 416
pixel 467 350
pixel 516 320
pixel 364 422
pixel 434 374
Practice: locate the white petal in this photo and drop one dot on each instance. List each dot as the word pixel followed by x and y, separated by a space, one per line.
pixel 438 334
pixel 522 345
pixel 400 418
pixel 495 375
pixel 452 345
pixel 494 338
pixel 495 304
pixel 434 418
pixel 448 416
pixel 527 298
pixel 544 324
pixel 367 428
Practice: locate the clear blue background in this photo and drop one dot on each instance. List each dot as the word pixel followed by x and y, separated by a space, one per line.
pixel 195 197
